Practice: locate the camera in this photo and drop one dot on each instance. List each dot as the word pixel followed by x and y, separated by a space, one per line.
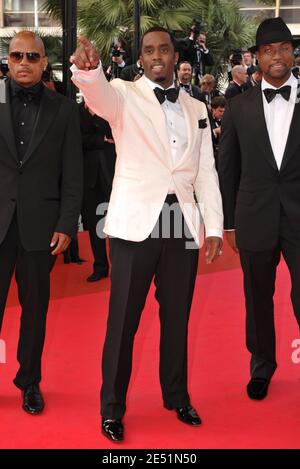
pixel 46 76
pixel 196 27
pixel 4 66
pixel 115 52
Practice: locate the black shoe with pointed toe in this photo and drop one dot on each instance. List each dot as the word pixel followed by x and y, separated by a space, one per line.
pixel 187 414
pixel 33 402
pixel 113 430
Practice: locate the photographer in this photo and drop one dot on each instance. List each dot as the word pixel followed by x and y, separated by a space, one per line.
pixel 4 68
pixel 132 72
pixel 47 78
pixel 197 53
pixel 118 60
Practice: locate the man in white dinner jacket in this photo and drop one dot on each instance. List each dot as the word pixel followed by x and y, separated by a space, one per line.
pixel 164 160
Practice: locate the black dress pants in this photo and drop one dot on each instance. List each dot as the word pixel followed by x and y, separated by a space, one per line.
pixel 98 243
pixel 259 286
pixel 93 196
pixel 134 264
pixel 32 270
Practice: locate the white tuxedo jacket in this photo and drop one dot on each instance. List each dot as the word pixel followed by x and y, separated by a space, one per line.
pixel 144 168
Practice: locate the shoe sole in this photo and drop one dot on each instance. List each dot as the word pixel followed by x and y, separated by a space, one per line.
pixel 110 439
pixel 189 423
pixel 32 413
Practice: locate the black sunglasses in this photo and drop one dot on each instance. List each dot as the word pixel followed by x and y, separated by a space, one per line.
pixel 32 57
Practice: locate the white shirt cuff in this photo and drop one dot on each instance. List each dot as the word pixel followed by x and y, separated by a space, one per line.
pixel 211 232
pixel 86 76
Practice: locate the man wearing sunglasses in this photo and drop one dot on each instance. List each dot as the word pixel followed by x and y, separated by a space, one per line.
pixel 40 197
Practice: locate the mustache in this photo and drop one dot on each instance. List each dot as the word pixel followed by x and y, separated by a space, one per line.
pixel 155 64
pixel 278 63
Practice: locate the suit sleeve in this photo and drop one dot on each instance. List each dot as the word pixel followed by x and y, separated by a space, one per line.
pixel 71 176
pixel 104 98
pixel 229 167
pixel 206 186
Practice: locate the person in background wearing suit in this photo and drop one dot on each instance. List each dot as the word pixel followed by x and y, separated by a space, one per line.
pixel 237 86
pixel 40 198
pixel 208 90
pixel 259 169
pixel 184 74
pixel 99 164
pixel 248 62
pixel 216 114
pixel 164 156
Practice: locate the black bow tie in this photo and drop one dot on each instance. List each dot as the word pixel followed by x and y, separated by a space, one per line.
pixel 29 94
pixel 186 87
pixel 270 93
pixel 26 94
pixel 171 94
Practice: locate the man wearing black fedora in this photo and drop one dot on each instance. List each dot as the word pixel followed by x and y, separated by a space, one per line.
pixel 259 170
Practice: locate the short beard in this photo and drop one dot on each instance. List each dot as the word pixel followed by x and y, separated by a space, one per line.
pixel 160 79
pixel 285 72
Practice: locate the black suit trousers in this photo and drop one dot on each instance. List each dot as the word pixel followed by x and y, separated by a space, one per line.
pixel 259 269
pixel 134 265
pixel 32 270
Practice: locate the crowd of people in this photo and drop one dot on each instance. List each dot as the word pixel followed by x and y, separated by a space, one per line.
pixel 156 141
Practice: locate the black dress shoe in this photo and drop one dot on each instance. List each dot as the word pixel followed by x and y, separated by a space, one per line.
pixel 113 430
pixel 187 415
pixel 257 388
pixel 96 277
pixel 33 402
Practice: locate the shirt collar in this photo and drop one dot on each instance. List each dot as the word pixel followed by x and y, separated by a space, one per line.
pixel 154 85
pixel 292 81
pixel 35 89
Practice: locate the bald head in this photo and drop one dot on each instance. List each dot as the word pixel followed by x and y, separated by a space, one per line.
pixel 239 74
pixel 28 36
pixel 26 58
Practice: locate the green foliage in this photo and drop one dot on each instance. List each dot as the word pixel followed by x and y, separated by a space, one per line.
pixel 104 20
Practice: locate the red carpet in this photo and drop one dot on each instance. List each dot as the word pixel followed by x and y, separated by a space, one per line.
pixel 218 370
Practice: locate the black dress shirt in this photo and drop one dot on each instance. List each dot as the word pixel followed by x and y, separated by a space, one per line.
pixel 25 103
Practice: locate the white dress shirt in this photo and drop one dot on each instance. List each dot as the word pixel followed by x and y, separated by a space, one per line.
pixel 176 127
pixel 278 115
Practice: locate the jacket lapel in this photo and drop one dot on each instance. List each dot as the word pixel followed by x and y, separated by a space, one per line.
pixel 157 117
pixel 6 127
pixel 293 140
pixel 255 109
pixel 47 111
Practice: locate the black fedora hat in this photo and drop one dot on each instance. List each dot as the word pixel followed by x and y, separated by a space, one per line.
pixel 273 30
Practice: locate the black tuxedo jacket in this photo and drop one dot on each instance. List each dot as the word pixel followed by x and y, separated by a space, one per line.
pixel 46 190
pixel 233 90
pixel 255 193
pixel 98 155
